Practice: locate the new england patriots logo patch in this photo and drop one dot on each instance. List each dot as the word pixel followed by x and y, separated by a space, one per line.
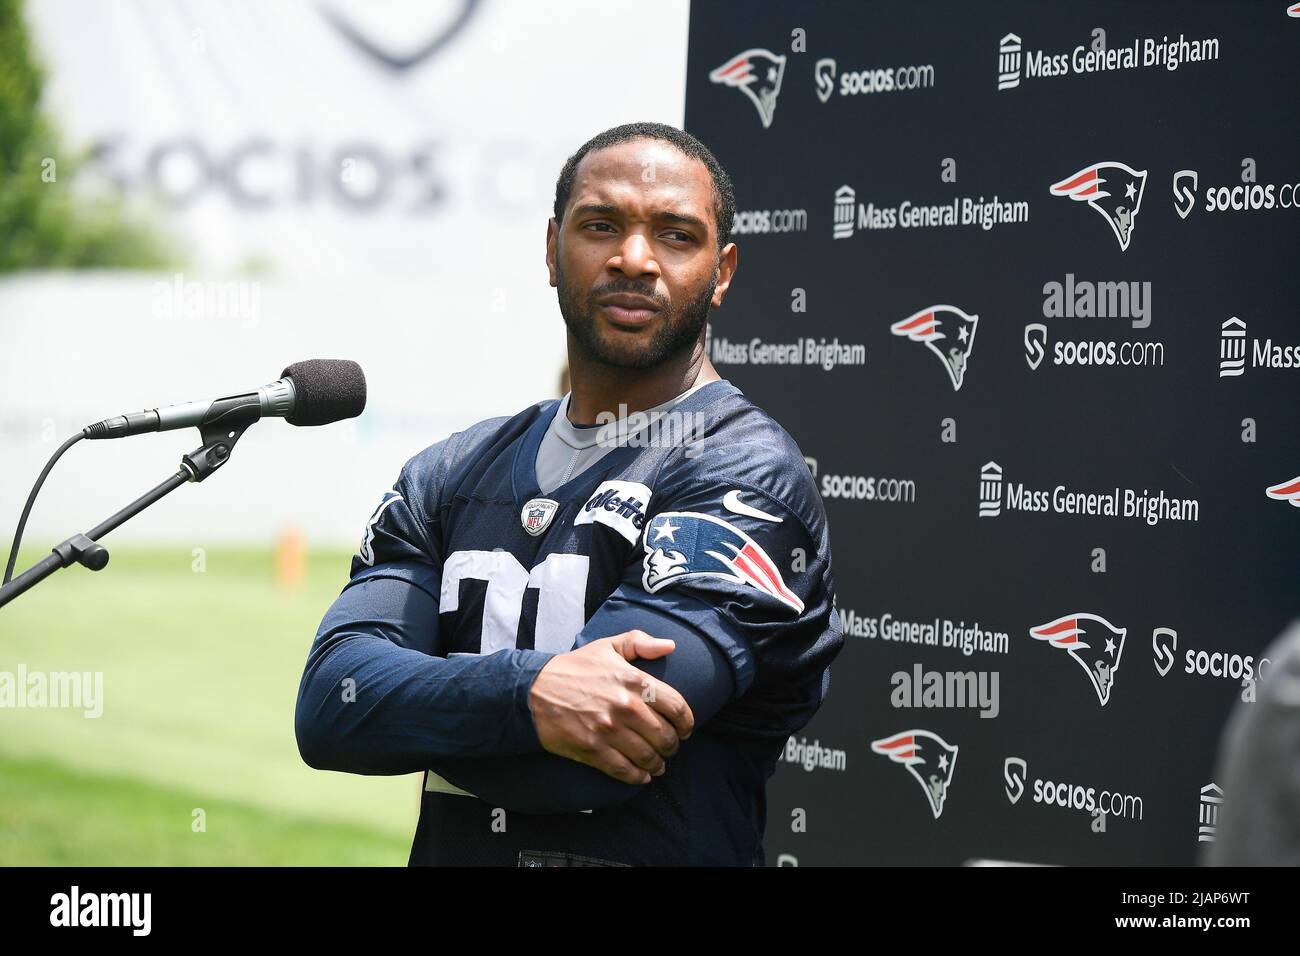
pixel 367 551
pixel 685 544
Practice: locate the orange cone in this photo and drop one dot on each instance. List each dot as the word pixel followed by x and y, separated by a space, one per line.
pixel 290 557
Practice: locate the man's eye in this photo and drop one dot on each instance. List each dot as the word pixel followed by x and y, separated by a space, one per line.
pixel 675 235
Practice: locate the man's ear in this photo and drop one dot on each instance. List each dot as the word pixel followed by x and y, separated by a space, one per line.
pixel 552 239
pixel 727 263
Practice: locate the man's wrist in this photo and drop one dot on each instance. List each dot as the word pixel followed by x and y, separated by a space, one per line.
pixel 529 664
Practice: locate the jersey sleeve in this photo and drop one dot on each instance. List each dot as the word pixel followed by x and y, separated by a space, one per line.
pixel 374 697
pixel 399 530
pixel 736 546
pixel 547 783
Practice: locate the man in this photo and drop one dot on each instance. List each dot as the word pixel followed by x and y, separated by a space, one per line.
pixel 594 641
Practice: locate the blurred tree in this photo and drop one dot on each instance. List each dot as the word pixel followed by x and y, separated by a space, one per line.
pixel 44 224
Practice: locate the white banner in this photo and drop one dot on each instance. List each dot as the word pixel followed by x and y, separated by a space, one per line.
pixel 366 180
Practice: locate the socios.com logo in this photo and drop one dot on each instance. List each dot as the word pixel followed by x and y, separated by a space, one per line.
pixel 1164 641
pixel 1035 342
pixel 824 74
pixel 1185 183
pixel 1014 771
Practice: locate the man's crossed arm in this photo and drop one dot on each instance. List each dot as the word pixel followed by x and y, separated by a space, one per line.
pixel 375 700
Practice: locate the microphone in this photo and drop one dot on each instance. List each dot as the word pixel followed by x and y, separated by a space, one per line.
pixel 314 392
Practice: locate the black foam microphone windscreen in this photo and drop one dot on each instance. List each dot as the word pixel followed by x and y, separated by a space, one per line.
pixel 326 390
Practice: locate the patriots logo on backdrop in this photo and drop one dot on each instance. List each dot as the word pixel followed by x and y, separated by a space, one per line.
pixel 756 73
pixel 1287 491
pixel 928 758
pixel 1113 189
pixel 1092 641
pixel 947 331
pixel 680 545
pixel 367 552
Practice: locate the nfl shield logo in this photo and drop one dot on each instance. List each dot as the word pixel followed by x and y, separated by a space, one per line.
pixel 537 514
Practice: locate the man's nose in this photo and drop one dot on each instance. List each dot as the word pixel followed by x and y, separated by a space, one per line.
pixel 635 257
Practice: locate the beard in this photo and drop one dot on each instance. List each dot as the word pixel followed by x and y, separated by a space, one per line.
pixel 678 330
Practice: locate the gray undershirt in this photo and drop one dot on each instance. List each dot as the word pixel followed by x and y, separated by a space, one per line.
pixel 568 449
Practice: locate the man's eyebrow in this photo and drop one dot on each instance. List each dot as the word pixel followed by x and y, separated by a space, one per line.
pixel 684 220
pixel 605 209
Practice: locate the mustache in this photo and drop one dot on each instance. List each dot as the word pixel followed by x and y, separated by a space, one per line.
pixel 629 288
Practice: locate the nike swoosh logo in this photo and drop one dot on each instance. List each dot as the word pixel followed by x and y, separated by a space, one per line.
pixel 731 501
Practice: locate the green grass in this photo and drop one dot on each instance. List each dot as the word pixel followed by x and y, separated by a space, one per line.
pixel 52 816
pixel 200 674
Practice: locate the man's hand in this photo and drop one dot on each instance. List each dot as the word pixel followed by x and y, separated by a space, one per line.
pixel 592 706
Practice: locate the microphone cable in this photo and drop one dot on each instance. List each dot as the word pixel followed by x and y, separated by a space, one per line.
pixel 31 499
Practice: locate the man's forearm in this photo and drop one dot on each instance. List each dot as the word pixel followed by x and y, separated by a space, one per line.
pixel 374 701
pixel 546 783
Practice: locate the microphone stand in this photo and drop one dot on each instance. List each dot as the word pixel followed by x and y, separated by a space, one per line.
pixel 222 426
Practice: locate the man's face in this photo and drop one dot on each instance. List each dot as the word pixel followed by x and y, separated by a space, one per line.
pixel 636 261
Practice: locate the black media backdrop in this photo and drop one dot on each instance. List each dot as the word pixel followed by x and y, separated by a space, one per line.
pixel 1219 579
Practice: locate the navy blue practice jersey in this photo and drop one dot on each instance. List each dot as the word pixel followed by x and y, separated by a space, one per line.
pixel 712 521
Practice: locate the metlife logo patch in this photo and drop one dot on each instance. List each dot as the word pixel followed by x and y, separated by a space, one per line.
pixel 1017 63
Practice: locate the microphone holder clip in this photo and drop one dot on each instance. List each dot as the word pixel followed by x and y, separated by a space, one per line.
pixel 222 426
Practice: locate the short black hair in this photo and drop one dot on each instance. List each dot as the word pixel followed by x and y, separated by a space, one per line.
pixel 724 197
